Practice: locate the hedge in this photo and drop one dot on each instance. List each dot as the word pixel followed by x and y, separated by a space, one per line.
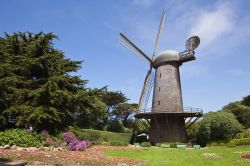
pixel 238 142
pixel 217 143
pixel 98 136
pixel 114 143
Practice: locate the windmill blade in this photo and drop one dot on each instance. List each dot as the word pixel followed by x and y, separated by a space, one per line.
pixel 132 47
pixel 159 32
pixel 147 87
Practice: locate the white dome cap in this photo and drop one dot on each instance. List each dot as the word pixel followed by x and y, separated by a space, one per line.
pixel 166 56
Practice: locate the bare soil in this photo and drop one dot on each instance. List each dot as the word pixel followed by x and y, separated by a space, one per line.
pixel 94 156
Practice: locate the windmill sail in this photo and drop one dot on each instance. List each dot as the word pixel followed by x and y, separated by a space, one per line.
pixel 147 87
pixel 159 32
pixel 132 47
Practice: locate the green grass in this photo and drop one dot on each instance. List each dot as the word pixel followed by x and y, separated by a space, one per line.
pixel 186 157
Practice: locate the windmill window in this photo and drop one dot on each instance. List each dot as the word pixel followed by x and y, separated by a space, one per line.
pixel 159 102
pixel 160 75
pixel 159 89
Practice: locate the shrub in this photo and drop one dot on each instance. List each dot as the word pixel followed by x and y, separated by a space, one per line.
pixel 173 145
pixel 232 143
pixel 169 144
pixel 192 132
pixel 217 126
pixel 244 134
pixel 118 143
pixel 97 136
pixel 51 141
pixel 146 144
pixel 218 143
pixel 21 137
pixel 243 141
pixel 238 142
pixel 158 144
pixel 116 126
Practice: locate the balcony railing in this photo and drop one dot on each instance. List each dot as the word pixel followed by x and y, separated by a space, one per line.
pixel 185 109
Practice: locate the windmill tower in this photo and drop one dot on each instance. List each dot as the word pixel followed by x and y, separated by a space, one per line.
pixel 168 119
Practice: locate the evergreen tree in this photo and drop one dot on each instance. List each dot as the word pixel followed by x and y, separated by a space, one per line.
pixel 36 84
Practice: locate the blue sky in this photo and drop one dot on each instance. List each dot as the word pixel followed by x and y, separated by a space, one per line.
pixel 89 31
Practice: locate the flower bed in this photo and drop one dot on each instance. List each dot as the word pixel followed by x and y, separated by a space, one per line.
pixel 74 143
pixel 247 156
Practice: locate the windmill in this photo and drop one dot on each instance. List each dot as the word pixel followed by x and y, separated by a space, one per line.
pixel 168 119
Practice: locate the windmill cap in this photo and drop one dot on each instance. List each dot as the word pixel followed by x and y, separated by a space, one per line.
pixel 166 56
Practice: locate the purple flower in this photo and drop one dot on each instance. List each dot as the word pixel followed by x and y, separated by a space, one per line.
pixel 78 145
pixel 69 137
pixel 81 145
pixel 73 145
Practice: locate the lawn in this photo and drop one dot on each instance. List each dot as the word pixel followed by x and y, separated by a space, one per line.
pixel 216 156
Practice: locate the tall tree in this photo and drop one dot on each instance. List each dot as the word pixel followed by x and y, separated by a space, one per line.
pixel 112 99
pixel 124 112
pixel 36 83
pixel 246 101
pixel 241 112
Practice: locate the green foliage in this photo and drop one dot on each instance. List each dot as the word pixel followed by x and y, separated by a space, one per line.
pixel 114 143
pixel 242 112
pixel 173 145
pixel 118 111
pixel 91 108
pixel 116 126
pixel 232 143
pixel 158 144
pixel 146 144
pixel 238 142
pixel 217 126
pixel 169 144
pixel 244 134
pixel 192 132
pixel 139 127
pixel 20 137
pixel 217 143
pixel 246 101
pixel 2 122
pixel 38 88
pixel 123 112
pixel 163 145
pixel 100 136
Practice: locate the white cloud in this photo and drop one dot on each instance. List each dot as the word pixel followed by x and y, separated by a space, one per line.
pixel 213 24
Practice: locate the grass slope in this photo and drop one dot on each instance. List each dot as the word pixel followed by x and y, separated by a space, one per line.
pixel 184 157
